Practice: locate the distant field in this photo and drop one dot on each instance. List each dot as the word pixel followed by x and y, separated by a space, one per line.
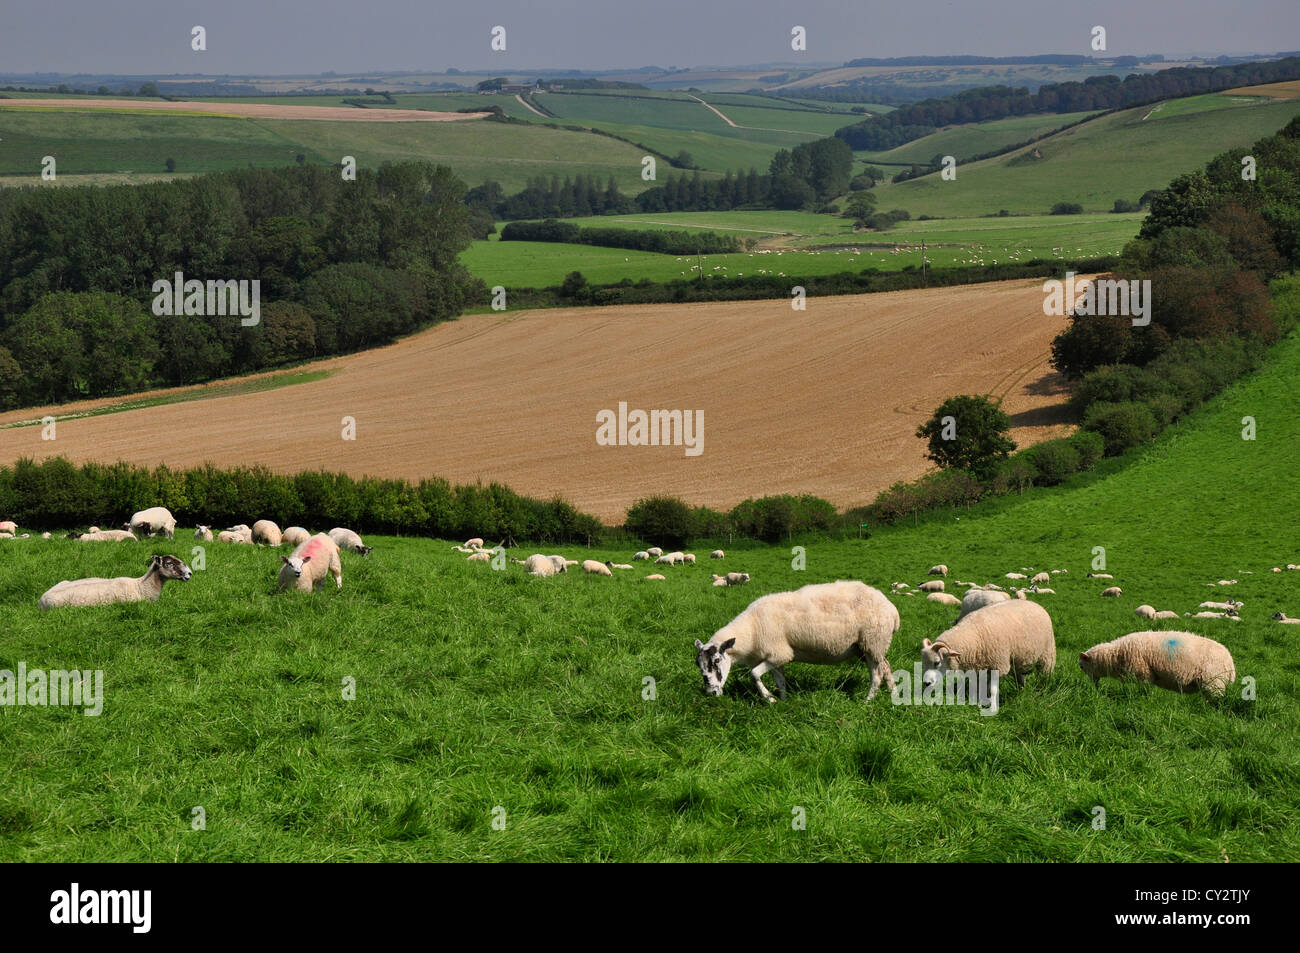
pixel 1115 156
pixel 441 102
pixel 973 139
pixel 251 110
pixel 1289 90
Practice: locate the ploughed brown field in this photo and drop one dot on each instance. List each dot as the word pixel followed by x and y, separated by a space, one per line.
pixel 251 110
pixel 823 401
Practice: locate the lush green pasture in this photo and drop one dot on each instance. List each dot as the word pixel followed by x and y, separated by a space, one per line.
pixel 1115 156
pixel 973 139
pixel 479 690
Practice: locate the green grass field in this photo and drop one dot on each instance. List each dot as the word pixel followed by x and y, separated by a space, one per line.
pixel 972 139
pixel 479 690
pixel 1117 156
pixel 822 246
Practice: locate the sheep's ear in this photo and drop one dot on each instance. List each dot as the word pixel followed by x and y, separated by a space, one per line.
pixel 726 646
pixel 699 646
pixel 925 644
pixel 1083 656
pixel 285 560
pixel 305 560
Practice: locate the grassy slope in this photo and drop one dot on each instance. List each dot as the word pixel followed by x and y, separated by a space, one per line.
pixel 972 139
pixel 478 689
pixel 1116 156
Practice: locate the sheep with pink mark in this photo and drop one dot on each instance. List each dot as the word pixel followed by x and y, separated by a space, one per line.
pixel 305 569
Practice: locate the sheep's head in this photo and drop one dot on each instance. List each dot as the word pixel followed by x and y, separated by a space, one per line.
pixel 169 567
pixel 935 658
pixel 715 665
pixel 295 563
pixel 364 550
pixel 1089 665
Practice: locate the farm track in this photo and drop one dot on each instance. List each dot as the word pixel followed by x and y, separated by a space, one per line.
pixel 825 401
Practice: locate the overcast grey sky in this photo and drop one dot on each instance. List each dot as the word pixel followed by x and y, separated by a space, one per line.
pixel 311 36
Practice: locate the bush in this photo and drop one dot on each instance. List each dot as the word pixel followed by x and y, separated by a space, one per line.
pixel 968 433
pixel 1017 473
pixel 1121 425
pixel 773 518
pixel 1067 208
pixel 1054 460
pixel 1090 446
pixel 660 520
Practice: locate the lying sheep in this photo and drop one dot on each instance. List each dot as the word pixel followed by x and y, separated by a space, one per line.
pixel 620 565
pixel 539 565
pixel 479 557
pixel 900 586
pixel 107 536
pixel 654 577
pixel 943 598
pixel 1011 637
pixel 932 586
pixel 596 568
pixel 99 592
pixel 305 569
pixel 1100 575
pixel 1226 582
pixel 655 551
pixel 1114 592
pixel 294 536
pixel 203 533
pixel 1177 661
pixel 1284 619
pixel 940 570
pixel 1016 575
pixel 1221 605
pixel 977 599
pixel 266 532
pixel 1145 612
pixel 731 579
pixel 229 536
pixel 641 555
pixel 151 522
pixel 241 530
pixel 717 554
pixel 1042 591
pixel 823 624
pixel 1040 578
pixel 475 543
pixel 346 539
pixel 1166 614
pixel 1230 614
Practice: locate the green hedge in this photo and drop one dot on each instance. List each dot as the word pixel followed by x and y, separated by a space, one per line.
pixel 645 239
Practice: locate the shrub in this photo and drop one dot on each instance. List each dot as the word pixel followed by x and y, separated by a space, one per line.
pixel 1122 425
pixel 1067 208
pixel 1017 473
pixel 660 519
pixel 1054 460
pixel 1090 446
pixel 968 433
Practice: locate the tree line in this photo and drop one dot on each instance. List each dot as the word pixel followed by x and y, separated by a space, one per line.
pixel 665 242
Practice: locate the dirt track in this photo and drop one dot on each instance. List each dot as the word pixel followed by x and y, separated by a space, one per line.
pixel 249 110
pixel 825 401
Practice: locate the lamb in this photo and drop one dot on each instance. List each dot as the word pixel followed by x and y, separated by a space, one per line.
pixel 1040 578
pixel 305 569
pixel 1166 614
pixel 655 551
pixel 479 557
pixel 977 599
pixel 717 554
pixel 940 570
pixel 900 585
pixel 1221 605
pixel 203 533
pixel 294 536
pixel 229 536
pixel 1100 575
pixel 654 577
pixel 689 558
pixel 265 531
pixel 539 565
pixel 943 598
pixel 595 568
pixel 932 586
pixel 619 565
pixel 731 579
pixel 1176 661
pixel 1042 591
pixel 670 559
pixel 1145 612
pixel 822 623
pixel 1284 619
pixel 150 522
pixel 99 592
pixel 346 539
pixel 107 536
pixel 1016 575
pixel 641 555
pixel 1007 637
pixel 1114 592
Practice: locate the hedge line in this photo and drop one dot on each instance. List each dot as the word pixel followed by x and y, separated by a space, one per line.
pixel 664 242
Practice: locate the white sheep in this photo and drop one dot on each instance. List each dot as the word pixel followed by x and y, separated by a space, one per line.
pixel 655 551
pixel 900 586
pixel 1040 578
pixel 940 570
pixel 346 539
pixel 1145 612
pixel 641 555
pixel 654 577
pixel 1011 637
pixel 1230 614
pixel 717 554
pixel 731 579
pixel 203 533
pixel 1016 575
pixel 47 535
pixel 943 598
pixel 596 568
pixel 689 558
pixel 1114 592
pixel 619 565
pixel 1226 582
pixel 294 536
pixel 265 531
pixel 242 530
pixel 229 536
pixel 1042 591
pixel 107 536
pixel 1285 619
pixel 479 557
pixel 1100 575
pixel 1221 605
pixel 150 522
pixel 976 599
pixel 539 565
pixel 1177 661
pixel 8 526
pixel 670 559
pixel 935 585
pixel 98 592
pixel 1166 614
pixel 307 566
pixel 822 623
pixel 1292 566
pixel 475 543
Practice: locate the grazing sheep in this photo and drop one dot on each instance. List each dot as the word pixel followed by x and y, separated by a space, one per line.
pixel 294 536
pixel 346 539
pixel 655 551
pixel 99 592
pixel 539 565
pixel 1100 575
pixel 1177 661
pixel 475 543
pixel 150 522
pixel 1040 578
pixel 1221 605
pixel 203 533
pixel 479 557
pixel 822 623
pixel 654 577
pixel 1145 612
pixel 596 568
pixel 1016 575
pixel 1284 619
pixel 1114 592
pixel 689 558
pixel 940 570
pixel 943 598
pixel 670 559
pixel 717 554
pixel 731 579
pixel 8 526
pixel 107 536
pixel 641 555
pixel 228 536
pixel 935 585
pixel 264 531
pixel 1008 637
pixel 977 599
pixel 307 566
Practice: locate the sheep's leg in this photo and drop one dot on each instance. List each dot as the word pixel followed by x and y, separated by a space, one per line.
pixel 758 671
pixel 336 570
pixel 778 676
pixel 880 671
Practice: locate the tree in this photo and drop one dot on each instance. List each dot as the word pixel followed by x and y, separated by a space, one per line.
pixel 149 89
pixel 574 285
pixel 170 164
pixel 11 376
pixel 968 433
pixel 860 207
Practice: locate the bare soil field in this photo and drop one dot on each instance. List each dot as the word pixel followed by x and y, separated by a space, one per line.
pixel 245 110
pixel 1288 90
pixel 824 401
